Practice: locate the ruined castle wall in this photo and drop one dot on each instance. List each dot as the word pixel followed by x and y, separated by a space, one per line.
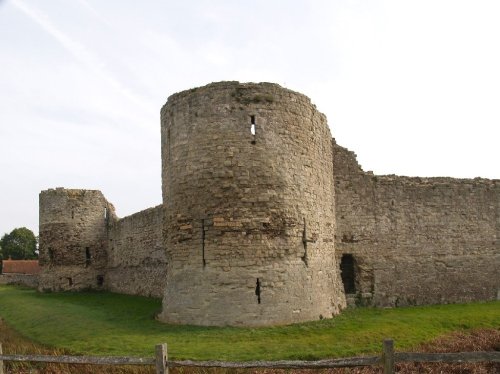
pixel 73 238
pixel 417 240
pixel 26 280
pixel 136 256
pixel 249 217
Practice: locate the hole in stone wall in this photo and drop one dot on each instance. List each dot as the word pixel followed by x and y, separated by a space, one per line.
pixel 304 243
pixel 168 142
pixel 105 213
pixel 252 128
pixel 203 242
pixel 348 273
pixel 70 281
pixel 257 290
pixel 72 214
pixel 88 257
pixel 51 254
pixel 100 280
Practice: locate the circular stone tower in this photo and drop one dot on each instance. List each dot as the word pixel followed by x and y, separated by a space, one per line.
pixel 249 207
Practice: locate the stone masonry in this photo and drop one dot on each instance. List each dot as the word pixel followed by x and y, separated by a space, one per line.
pixel 73 236
pixel 259 227
pixel 249 201
pixel 417 240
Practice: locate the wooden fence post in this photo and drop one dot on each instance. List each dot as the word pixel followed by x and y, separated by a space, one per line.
pixel 388 356
pixel 1 362
pixel 161 358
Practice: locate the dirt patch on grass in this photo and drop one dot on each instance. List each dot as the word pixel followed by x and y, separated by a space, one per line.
pixel 471 341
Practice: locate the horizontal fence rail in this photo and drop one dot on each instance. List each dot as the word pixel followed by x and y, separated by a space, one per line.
pixel 87 360
pixel 459 357
pixel 161 362
pixel 321 364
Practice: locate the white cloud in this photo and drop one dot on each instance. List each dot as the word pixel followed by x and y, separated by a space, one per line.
pixel 80 53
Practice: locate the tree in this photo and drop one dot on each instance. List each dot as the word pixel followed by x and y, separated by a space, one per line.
pixel 20 244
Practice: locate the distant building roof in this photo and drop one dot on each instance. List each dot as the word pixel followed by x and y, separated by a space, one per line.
pixel 21 266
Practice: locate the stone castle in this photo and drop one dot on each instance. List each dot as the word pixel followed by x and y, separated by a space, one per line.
pixel 266 220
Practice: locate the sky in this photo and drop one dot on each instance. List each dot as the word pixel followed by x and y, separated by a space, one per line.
pixel 413 87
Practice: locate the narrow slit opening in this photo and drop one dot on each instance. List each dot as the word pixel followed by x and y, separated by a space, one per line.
pixel 168 142
pixel 252 128
pixel 257 290
pixel 203 242
pixel 304 258
pixel 88 257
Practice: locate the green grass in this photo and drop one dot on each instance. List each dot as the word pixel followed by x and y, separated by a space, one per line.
pixel 111 324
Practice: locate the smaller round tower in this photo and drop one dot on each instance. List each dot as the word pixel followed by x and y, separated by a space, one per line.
pixel 73 239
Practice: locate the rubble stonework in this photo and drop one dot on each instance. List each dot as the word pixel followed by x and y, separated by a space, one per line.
pixel 83 245
pixel 73 238
pixel 247 235
pixel 417 240
pixel 136 254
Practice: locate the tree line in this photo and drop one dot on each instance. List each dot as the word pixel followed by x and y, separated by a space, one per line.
pixel 19 244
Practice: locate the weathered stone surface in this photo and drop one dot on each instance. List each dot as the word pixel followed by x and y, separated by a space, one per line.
pixel 73 238
pixel 27 280
pixel 417 240
pixel 83 245
pixel 256 219
pixel 238 206
pixel 136 254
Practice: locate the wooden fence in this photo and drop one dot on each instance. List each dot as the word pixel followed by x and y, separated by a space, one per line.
pixel 387 359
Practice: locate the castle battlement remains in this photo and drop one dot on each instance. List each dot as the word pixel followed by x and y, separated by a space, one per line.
pixel 266 220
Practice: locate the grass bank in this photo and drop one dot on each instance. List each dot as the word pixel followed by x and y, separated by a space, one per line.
pixel 112 324
pixel 14 343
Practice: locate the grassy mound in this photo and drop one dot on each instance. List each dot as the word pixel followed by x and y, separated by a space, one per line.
pixel 112 324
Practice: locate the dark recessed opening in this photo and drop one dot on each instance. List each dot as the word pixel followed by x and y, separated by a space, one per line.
pixel 72 214
pixel 348 273
pixel 203 242
pixel 168 142
pixel 88 257
pixel 257 290
pixel 304 243
pixel 70 281
pixel 51 254
pixel 100 280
